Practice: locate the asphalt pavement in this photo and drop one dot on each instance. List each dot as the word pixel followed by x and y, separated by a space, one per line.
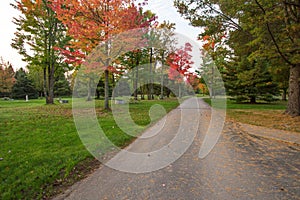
pixel 240 166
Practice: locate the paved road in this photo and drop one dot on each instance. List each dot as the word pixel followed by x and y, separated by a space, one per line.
pixel 241 166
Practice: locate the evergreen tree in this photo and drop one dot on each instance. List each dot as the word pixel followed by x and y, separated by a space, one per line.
pixel 61 86
pixel 269 29
pixel 23 86
pixel 250 81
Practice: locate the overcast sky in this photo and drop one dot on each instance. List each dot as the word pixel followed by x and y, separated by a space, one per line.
pixel 163 8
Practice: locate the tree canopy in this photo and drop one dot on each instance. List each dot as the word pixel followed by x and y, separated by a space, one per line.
pixel 255 30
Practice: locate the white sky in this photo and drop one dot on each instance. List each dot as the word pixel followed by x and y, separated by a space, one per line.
pixel 163 8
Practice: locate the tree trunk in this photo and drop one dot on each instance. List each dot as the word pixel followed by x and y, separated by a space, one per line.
pixel 179 90
pixel 106 90
pixel 162 77
pixel 253 99
pixel 212 90
pixel 150 92
pixel 284 94
pixel 136 83
pixel 51 85
pixel 89 98
pixel 98 94
pixel 45 84
pixel 293 107
pixel 106 78
pixel 113 85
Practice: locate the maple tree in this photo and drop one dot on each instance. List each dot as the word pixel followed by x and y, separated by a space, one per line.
pixel 91 21
pixel 180 62
pixel 193 80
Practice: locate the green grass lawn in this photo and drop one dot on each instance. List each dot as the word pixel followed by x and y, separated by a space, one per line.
pixel 261 114
pixel 278 105
pixel 40 145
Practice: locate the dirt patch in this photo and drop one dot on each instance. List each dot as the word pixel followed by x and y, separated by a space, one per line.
pixel 79 172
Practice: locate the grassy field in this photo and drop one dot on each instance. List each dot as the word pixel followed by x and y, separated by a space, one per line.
pixel 40 148
pixel 261 114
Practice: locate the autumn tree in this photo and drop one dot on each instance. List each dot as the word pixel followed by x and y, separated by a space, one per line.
pixel 193 81
pixel 180 62
pixel 272 27
pixel 7 79
pixel 38 32
pixel 91 21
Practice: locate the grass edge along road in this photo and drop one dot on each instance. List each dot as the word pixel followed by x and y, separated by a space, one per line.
pixel 269 115
pixel 41 151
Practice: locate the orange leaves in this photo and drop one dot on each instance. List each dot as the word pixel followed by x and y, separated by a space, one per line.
pixel 206 37
pixel 211 40
pixel 7 74
pixel 89 22
pixel 203 88
pixel 33 7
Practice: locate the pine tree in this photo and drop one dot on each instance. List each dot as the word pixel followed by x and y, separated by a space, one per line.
pixel 270 30
pixel 61 86
pixel 23 86
pixel 250 81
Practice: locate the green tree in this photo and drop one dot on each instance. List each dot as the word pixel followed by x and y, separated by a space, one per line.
pixel 167 42
pixel 272 28
pixel 250 81
pixel 38 33
pixel 61 86
pixel 36 76
pixel 23 86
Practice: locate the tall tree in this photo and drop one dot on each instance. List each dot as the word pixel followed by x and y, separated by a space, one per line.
pixel 180 62
pixel 92 21
pixel 38 32
pixel 271 26
pixel 213 59
pixel 167 42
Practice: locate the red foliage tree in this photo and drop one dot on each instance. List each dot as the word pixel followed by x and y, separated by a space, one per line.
pixel 180 62
pixel 193 81
pixel 91 21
